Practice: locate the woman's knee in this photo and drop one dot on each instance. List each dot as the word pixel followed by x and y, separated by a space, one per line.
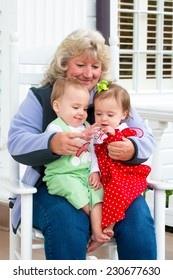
pixel 65 229
pixel 59 213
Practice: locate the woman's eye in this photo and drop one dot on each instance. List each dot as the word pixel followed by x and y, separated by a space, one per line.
pixel 80 65
pixel 95 66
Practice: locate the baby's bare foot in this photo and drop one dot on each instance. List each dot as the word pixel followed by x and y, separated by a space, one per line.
pixel 93 246
pixel 109 232
pixel 100 237
pixel 97 240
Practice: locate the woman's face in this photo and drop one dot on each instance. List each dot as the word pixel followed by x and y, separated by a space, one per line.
pixel 86 69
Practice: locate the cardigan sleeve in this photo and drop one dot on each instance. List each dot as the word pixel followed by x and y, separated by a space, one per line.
pixel 27 143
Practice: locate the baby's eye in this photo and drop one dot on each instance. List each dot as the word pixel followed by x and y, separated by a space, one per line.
pixel 98 114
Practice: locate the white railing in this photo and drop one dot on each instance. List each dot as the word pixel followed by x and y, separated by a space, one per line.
pixel 158 110
pixel 168 209
pixel 158 114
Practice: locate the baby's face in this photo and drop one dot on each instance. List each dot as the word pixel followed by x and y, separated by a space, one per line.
pixel 72 106
pixel 108 112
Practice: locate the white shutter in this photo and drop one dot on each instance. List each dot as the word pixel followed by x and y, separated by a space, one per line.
pixel 145 31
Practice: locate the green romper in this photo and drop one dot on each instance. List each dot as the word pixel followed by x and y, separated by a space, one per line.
pixel 68 176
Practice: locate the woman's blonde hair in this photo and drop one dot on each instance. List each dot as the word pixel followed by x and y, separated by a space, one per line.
pixel 88 42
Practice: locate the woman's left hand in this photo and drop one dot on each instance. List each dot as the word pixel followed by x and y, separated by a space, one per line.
pixel 121 150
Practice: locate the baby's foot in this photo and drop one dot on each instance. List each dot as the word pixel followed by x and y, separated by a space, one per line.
pixel 108 231
pixel 97 240
pixel 100 237
pixel 93 245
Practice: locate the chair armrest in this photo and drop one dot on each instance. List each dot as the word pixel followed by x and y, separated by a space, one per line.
pixel 17 187
pixel 159 213
pixel 160 185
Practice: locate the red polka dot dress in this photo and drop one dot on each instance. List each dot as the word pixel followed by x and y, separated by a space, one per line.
pixel 121 183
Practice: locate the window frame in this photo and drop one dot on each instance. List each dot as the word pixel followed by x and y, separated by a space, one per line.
pixel 140 81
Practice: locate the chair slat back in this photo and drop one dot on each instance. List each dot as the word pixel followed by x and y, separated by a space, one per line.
pixel 26 70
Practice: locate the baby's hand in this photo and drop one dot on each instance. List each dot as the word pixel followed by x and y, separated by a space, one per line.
pixel 108 129
pixel 90 131
pixel 94 181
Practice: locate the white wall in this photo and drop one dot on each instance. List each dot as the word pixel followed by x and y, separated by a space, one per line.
pixel 49 21
pixel 8 11
pixel 8 23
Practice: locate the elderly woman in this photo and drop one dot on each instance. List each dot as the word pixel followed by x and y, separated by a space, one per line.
pixel 83 55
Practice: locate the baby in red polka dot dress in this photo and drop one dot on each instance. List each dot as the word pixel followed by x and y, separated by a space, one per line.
pixel 122 183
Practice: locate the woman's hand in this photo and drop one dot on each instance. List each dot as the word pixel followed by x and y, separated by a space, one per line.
pixel 63 143
pixel 121 150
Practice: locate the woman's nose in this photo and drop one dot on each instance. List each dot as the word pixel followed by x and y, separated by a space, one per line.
pixel 88 72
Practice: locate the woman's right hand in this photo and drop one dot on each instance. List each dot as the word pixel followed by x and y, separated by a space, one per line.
pixel 63 143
